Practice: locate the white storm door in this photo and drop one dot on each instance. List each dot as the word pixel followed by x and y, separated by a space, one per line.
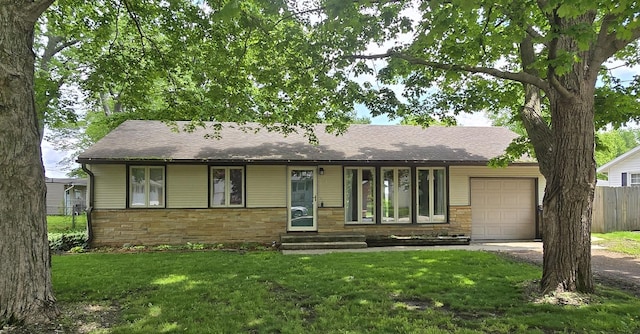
pixel 302 199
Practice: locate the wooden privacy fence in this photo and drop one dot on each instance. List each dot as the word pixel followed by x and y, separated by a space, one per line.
pixel 616 209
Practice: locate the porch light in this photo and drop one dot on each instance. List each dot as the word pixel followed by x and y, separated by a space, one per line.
pixel 321 171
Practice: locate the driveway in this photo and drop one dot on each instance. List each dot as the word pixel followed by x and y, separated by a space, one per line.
pixel 609 268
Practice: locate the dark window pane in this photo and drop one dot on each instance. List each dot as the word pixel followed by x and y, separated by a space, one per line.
pixel 156 186
pixel 423 196
pixel 235 185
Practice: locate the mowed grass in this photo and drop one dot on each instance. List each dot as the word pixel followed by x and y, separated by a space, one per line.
pixel 621 242
pixel 62 224
pixel 378 292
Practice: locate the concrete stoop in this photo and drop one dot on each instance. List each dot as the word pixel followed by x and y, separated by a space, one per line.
pixel 308 241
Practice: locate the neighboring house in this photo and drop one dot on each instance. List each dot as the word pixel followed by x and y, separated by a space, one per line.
pixel 152 185
pixel 66 195
pixel 623 170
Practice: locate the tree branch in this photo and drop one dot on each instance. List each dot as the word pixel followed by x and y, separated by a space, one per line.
pixel 539 132
pixel 65 45
pixel 53 48
pixel 608 44
pixel 35 9
pixel 154 45
pixel 542 4
pixel 136 21
pixel 601 48
pixel 302 12
pixel 321 8
pixel 534 33
pixel 554 22
pixel 558 86
pixel 515 76
pixel 104 103
pixel 530 30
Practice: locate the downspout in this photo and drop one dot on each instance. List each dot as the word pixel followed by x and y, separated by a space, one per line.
pixel 90 206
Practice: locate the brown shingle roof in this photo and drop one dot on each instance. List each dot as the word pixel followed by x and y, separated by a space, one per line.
pixel 154 140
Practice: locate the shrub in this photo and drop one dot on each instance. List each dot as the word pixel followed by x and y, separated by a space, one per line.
pixel 62 242
pixel 77 249
pixel 195 246
pixel 163 247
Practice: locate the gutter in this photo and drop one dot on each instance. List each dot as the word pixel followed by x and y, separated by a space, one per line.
pixel 309 162
pixel 90 207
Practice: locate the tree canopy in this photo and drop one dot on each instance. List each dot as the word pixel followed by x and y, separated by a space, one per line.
pixel 181 60
pixel 95 48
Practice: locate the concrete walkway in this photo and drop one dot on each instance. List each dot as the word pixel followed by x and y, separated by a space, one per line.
pixel 493 246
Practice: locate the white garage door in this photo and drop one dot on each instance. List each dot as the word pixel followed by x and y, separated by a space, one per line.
pixel 502 209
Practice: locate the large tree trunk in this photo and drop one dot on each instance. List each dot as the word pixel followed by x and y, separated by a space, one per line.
pixel 568 198
pixel 25 265
pixel 569 166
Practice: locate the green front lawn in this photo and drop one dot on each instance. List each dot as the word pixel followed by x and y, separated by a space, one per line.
pixel 379 292
pixel 62 224
pixel 621 242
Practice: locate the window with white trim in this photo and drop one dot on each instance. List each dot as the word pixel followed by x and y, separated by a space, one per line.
pixel 634 179
pixel 227 186
pixel 396 195
pixel 359 195
pixel 431 206
pixel 146 187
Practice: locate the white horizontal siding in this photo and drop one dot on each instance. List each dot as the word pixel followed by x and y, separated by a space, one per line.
pixel 55 198
pixel 330 187
pixel 110 186
pixel 629 165
pixel 187 186
pixel 266 186
pixel 459 179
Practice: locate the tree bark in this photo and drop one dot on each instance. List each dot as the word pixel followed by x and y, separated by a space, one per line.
pixel 569 164
pixel 26 292
pixel 568 198
pixel 537 128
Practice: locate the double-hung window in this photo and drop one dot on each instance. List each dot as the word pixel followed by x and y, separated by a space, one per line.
pixel 227 186
pixel 431 196
pixel 146 187
pixel 396 195
pixel 634 179
pixel 359 195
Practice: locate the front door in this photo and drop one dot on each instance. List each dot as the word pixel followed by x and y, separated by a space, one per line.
pixel 302 199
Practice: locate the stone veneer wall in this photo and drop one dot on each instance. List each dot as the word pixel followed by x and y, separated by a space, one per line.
pixel 229 225
pixel 179 226
pixel 331 220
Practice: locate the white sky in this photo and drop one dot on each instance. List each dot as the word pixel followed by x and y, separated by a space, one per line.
pixel 50 159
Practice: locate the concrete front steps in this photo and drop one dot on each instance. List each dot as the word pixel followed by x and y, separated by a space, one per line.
pixel 314 240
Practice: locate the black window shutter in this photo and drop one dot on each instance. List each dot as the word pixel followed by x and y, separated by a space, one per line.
pixel 624 179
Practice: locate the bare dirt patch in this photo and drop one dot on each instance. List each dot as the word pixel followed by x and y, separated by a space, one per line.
pixel 305 303
pixel 75 318
pixel 532 294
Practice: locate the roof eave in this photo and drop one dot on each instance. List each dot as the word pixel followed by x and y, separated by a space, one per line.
pixel 617 160
pixel 289 161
